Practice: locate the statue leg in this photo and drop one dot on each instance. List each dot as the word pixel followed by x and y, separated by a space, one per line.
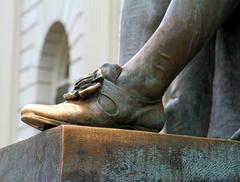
pixel 188 109
pixel 190 96
pixel 225 118
pixel 139 20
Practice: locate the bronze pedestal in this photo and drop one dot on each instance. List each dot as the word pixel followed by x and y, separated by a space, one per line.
pixel 74 153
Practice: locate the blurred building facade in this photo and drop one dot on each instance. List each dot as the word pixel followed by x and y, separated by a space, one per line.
pixel 46 46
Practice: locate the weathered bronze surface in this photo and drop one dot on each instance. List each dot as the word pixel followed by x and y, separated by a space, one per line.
pixel 74 153
pixel 37 159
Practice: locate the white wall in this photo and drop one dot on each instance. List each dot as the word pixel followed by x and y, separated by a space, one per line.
pixel 8 69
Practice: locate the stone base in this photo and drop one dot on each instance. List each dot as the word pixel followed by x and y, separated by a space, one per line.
pixel 74 153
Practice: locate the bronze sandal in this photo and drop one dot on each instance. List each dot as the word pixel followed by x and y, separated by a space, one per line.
pixel 97 101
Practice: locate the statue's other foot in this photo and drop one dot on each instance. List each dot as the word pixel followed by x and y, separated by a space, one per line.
pixel 236 135
pixel 98 101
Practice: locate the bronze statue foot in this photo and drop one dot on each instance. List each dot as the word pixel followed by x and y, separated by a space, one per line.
pixel 98 101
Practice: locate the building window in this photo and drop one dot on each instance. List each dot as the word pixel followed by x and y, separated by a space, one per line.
pixel 55 58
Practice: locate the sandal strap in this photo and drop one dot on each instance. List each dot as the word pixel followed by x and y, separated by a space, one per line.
pixel 90 84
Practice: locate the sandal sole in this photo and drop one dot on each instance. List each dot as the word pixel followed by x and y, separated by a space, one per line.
pixel 39 122
pixel 43 123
